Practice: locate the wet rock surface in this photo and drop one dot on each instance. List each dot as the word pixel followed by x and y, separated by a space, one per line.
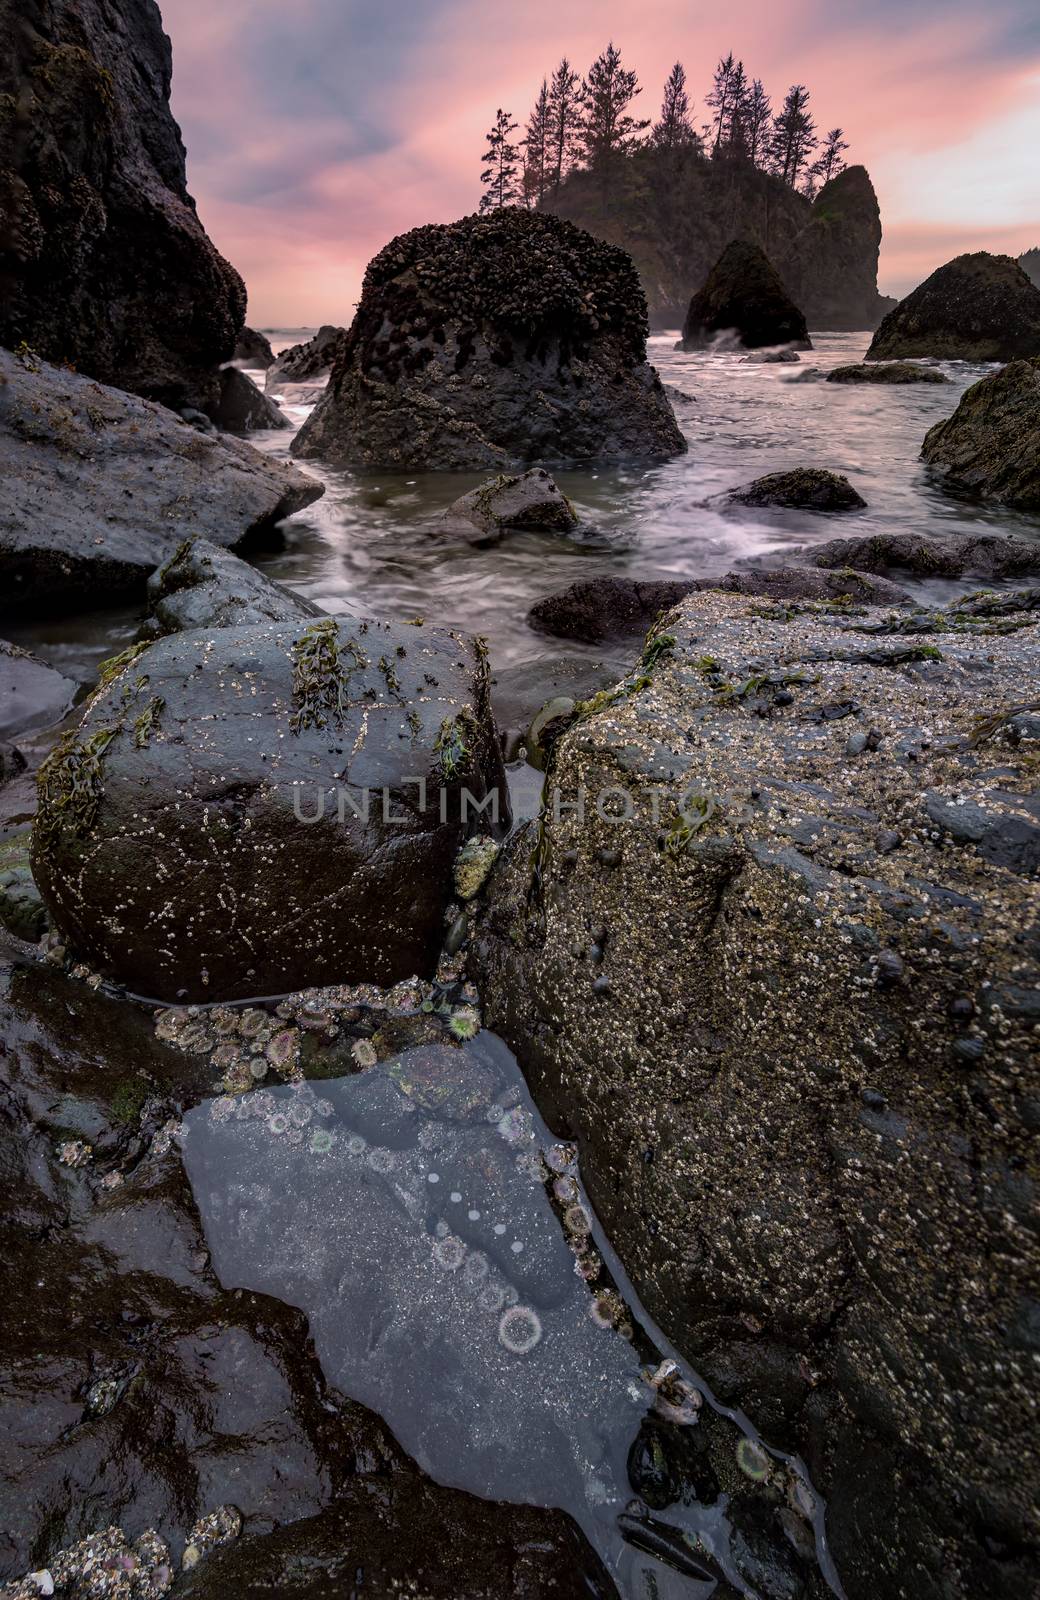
pixel 598 609
pixel 100 487
pixel 307 362
pixel 242 407
pixel 493 342
pixel 743 294
pixel 531 500
pixel 101 236
pixel 983 555
pixel 253 349
pixel 895 372
pixel 189 837
pixel 977 307
pixel 203 586
pixel 22 911
pixel 32 694
pixel 831 839
pixel 991 444
pixel 810 583
pixel 139 1394
pixel 804 489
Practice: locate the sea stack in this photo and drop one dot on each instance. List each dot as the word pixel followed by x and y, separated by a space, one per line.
pixel 743 295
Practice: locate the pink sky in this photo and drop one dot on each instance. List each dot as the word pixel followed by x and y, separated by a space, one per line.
pixel 318 129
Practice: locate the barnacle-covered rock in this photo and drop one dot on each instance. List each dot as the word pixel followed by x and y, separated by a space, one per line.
pixel 250 810
pixel 977 307
pixel 203 586
pixel 991 445
pixel 490 342
pixel 771 955
pixel 532 500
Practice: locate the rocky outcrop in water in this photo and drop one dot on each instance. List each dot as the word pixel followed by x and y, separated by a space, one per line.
pixel 677 214
pixel 253 349
pixel 743 296
pixel 307 362
pixel 991 445
pixel 787 1007
pixel 103 261
pixel 100 487
pixel 894 372
pixel 493 342
pixel 532 501
pixel 203 586
pixel 32 694
pixel 803 489
pixel 595 609
pixel 970 555
pixel 253 809
pixel 790 582
pixel 976 308
pixel 242 407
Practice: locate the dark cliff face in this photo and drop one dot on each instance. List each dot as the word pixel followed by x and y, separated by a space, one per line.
pixel 103 261
pixel 675 214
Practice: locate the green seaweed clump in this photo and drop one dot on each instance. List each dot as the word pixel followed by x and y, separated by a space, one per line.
pixel 703 807
pixel 148 722
pixel 454 742
pixel 320 679
pixel 657 649
pixel 70 783
pixel 111 668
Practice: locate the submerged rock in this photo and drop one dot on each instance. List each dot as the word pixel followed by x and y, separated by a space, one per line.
pixel 976 308
pixel 100 487
pixel 203 586
pixel 804 489
pixel 596 609
pixel 32 694
pixel 969 555
pixel 531 500
pixel 253 349
pixel 896 372
pixel 810 584
pixel 249 810
pixel 991 444
pixel 743 295
pixel 243 407
pixel 307 362
pixel 105 262
pixel 839 1207
pixel 490 342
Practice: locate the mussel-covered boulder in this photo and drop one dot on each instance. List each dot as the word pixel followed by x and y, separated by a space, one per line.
pixel 771 954
pixel 249 810
pixel 253 349
pixel 743 295
pixel 977 307
pixel 991 444
pixel 306 362
pixel 103 260
pixel 100 487
pixel 493 342
pixel 204 586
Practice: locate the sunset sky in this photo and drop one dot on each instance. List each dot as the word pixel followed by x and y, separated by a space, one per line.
pixel 317 129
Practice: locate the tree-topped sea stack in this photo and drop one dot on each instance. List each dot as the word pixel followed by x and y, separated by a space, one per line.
pixel 495 341
pixel 103 261
pixel 743 295
pixel 976 308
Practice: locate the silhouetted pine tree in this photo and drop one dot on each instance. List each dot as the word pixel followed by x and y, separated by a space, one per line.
pixel 609 131
pixel 793 136
pixel 499 176
pixel 758 118
pixel 830 160
pixel 564 124
pixel 675 130
pixel 535 145
pixel 724 96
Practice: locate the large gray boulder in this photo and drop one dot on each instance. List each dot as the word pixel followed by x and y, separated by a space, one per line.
pixel 493 342
pixel 103 260
pixel 788 1007
pixel 100 487
pixel 743 295
pixel 991 444
pixel 203 586
pixel 976 308
pixel 32 694
pixel 189 841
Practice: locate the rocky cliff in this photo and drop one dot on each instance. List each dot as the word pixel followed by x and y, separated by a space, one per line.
pixel 104 263
pixel 675 216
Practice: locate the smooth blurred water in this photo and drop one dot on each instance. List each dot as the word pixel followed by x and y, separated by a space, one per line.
pixel 371 547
